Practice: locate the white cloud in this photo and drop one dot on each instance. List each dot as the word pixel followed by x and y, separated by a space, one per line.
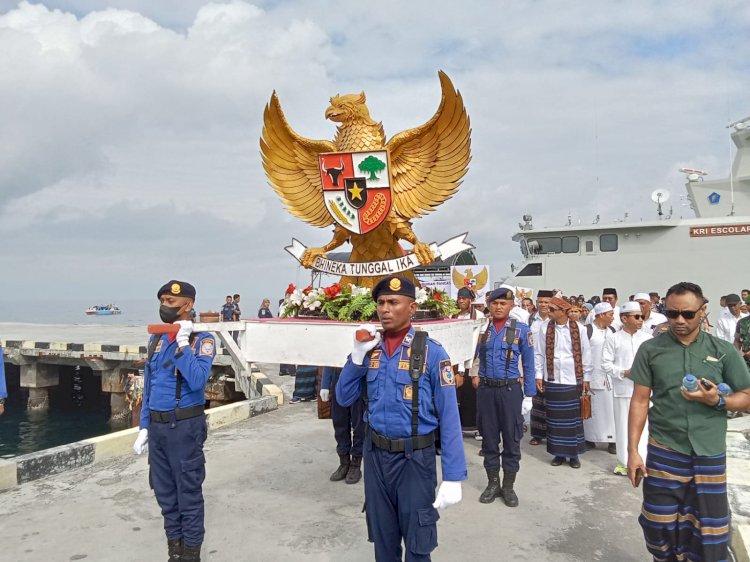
pixel 149 114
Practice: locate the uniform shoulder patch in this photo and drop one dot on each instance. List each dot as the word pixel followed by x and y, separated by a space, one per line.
pixel 446 373
pixel 207 346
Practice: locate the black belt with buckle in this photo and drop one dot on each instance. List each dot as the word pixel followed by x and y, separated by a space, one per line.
pixel 497 382
pixel 399 445
pixel 177 414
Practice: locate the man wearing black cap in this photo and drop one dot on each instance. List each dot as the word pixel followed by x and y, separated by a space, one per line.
pixel 499 396
pixel 726 326
pixel 406 404
pixel 465 388
pixel 173 421
pixel 609 295
pixel 538 418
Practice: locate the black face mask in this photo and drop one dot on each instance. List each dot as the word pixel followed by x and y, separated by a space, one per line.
pixel 169 314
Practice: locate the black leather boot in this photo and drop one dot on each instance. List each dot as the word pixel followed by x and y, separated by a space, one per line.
pixel 343 468
pixel 509 496
pixel 492 490
pixel 191 553
pixel 174 549
pixel 355 472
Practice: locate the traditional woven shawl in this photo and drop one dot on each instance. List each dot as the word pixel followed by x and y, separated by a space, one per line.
pixel 575 338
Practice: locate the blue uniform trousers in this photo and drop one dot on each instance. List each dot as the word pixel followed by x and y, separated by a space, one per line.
pixel 399 491
pixel 499 414
pixel 178 468
pixel 348 426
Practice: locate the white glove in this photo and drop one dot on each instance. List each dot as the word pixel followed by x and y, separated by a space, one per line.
pixel 141 443
pixel 526 405
pixel 449 493
pixel 361 348
pixel 325 394
pixel 183 336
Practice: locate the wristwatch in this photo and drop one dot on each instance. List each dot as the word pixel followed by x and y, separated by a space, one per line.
pixel 721 404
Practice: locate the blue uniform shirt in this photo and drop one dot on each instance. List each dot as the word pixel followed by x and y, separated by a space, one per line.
pixel 495 351
pixel 389 389
pixel 160 384
pixel 327 378
pixel 227 312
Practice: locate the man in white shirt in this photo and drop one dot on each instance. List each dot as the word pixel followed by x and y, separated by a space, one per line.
pixel 466 389
pixel 650 319
pixel 562 357
pixel 617 358
pixel 600 427
pixel 726 326
pixel 538 417
pixel 609 295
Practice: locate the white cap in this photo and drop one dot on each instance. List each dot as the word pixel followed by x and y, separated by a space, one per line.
pixel 519 314
pixel 641 297
pixel 630 308
pixel 602 307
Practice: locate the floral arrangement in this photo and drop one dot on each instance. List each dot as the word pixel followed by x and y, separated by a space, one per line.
pixel 351 303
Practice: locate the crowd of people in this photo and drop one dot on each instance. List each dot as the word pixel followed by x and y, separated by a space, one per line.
pixel 649 383
pixel 586 372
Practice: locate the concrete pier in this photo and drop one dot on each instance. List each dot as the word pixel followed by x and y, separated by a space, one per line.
pixel 111 352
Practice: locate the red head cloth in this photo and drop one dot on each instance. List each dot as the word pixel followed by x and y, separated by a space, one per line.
pixel 560 303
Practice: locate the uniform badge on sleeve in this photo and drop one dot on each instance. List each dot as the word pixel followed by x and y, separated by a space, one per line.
pixel 207 347
pixel 446 373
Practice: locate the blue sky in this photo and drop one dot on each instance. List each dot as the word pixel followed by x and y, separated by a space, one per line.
pixel 130 129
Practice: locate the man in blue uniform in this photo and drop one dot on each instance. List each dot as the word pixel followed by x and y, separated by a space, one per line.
pixel 500 396
pixel 173 422
pixel 407 401
pixel 348 429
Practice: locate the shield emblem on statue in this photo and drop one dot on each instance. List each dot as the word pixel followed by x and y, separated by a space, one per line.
pixel 357 188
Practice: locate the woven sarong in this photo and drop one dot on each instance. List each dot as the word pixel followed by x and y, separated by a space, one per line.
pixel 304 382
pixel 538 426
pixel 564 425
pixel 685 513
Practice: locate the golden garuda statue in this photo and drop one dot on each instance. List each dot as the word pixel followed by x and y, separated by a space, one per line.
pixel 368 188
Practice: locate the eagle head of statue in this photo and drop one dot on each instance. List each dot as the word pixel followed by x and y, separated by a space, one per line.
pixel 349 108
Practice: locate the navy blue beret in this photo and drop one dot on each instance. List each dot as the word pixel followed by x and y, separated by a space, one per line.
pixel 177 289
pixel 394 285
pixel 502 293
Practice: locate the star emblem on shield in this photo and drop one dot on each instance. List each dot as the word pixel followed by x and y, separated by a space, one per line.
pixel 357 188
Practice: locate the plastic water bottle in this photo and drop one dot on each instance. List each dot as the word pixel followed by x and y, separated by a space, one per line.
pixel 724 389
pixel 690 382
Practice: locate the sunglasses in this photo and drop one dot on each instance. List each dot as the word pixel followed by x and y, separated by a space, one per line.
pixel 636 316
pixel 686 314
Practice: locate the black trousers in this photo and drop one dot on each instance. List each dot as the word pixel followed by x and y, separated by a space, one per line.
pixel 499 414
pixel 348 426
pixel 467 404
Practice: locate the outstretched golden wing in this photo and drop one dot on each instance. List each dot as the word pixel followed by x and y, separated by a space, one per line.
pixel 291 164
pixel 428 162
pixel 458 279
pixel 482 277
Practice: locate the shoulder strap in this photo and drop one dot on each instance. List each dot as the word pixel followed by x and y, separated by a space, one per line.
pixel 178 375
pixel 611 329
pixel 416 364
pixel 589 330
pixel 147 367
pixel 483 344
pixel 510 336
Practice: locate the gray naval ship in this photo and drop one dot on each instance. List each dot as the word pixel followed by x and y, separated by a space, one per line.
pixel 709 249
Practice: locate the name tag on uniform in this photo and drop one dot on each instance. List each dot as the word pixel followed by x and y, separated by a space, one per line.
pixel 374 364
pixel 408 392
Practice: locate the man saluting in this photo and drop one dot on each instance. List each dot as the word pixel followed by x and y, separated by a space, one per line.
pixel 403 414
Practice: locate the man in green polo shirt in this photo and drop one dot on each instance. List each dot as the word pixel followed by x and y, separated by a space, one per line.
pixel 685 513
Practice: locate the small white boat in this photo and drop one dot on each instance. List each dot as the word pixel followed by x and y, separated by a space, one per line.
pixel 102 310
